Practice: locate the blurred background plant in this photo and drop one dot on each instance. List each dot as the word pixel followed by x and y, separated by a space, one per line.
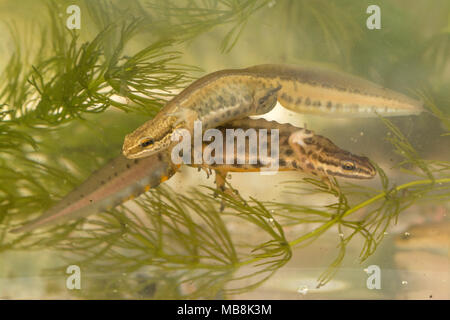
pixel 59 88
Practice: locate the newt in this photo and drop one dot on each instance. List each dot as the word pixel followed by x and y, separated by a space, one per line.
pixel 123 179
pixel 227 95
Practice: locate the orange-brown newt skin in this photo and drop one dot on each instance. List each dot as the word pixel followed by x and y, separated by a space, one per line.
pixel 123 179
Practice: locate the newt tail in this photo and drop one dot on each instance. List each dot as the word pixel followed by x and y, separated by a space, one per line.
pixel 118 181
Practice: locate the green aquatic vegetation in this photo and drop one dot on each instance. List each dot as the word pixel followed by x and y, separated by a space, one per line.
pixel 186 20
pixel 53 100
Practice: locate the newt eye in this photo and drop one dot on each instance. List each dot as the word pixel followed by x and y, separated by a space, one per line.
pixel 348 166
pixel 147 142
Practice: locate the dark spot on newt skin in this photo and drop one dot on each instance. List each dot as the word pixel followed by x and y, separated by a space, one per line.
pixel 233 100
pixel 310 166
pixel 115 174
pixel 282 162
pixel 228 113
pixel 286 97
pixel 308 141
pixel 301 149
pixel 136 161
pixel 160 156
pixel 298 101
pixel 102 182
pixel 329 105
pixel 294 164
pixel 307 101
pixel 289 152
pixel 128 166
pixel 236 112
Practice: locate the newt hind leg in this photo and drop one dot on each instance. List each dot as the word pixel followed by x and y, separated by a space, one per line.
pixel 221 177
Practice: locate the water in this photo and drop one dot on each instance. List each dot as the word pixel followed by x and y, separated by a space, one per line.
pixel 162 245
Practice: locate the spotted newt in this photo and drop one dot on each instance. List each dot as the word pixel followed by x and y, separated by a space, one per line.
pixel 122 179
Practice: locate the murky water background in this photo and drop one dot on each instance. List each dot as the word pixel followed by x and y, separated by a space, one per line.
pixel 330 35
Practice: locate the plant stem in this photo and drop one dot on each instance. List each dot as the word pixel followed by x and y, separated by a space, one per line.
pixel 330 223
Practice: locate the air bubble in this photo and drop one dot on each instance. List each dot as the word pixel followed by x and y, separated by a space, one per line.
pixel 404 282
pixel 303 290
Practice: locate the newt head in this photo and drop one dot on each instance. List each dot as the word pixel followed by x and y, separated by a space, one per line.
pixel 156 135
pixel 151 137
pixel 322 157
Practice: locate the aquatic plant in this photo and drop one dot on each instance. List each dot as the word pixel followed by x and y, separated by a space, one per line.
pixel 55 98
